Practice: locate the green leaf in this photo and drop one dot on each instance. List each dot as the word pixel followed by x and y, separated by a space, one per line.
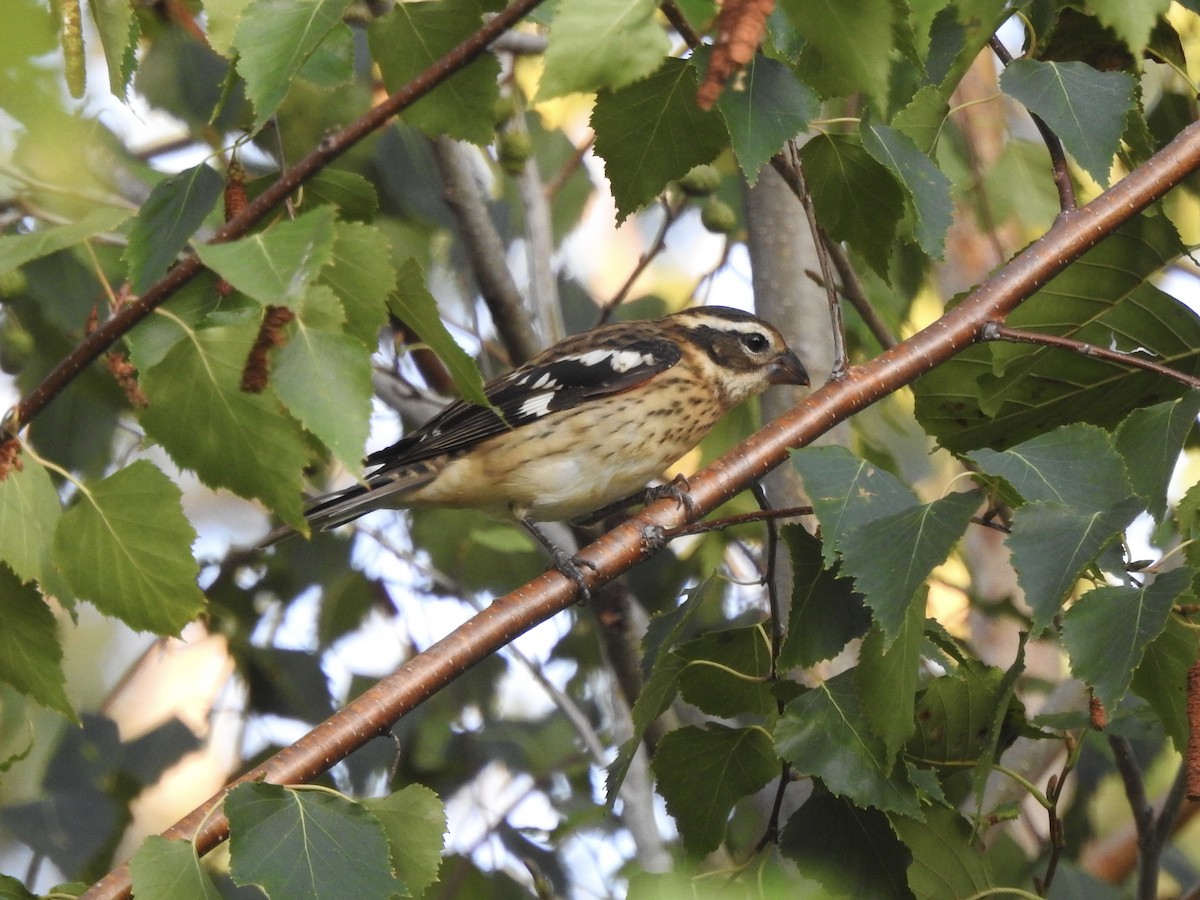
pixel 948 862
pixel 727 672
pixel 118 29
pixel 273 40
pixel 823 733
pixel 660 669
pixel 163 869
pixel 826 612
pixel 1161 678
pixel 927 186
pixel 126 546
pixel 1132 22
pixel 766 108
pixel 955 715
pixel 12 889
pixel 29 511
pixel 207 423
pixel 30 652
pixel 324 379
pixel 1107 630
pixel 923 118
pixel 890 558
pixel 1085 108
pixel 847 492
pixel 354 197
pixel 1076 465
pixel 415 306
pixel 414 821
pixel 652 132
pixel 167 221
pixel 223 18
pixel 1000 394
pixel 857 200
pixel 703 772
pixel 847 46
pixel 596 44
pixel 18 249
pixel 306 844
pixel 362 276
pixel 1051 546
pixel 411 38
pixel 851 851
pixel 1150 441
pixel 275 266
pixel 886 678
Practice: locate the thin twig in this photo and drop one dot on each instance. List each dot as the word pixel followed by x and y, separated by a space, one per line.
pixel 787 164
pixel 996 332
pixel 486 251
pixel 1149 840
pixel 671 212
pixel 329 149
pixel 761 515
pixel 679 22
pixel 1058 157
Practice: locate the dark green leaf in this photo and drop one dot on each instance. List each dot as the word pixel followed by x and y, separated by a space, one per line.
pixel 823 733
pixel 362 275
pixel 766 108
pixel 1085 108
pixel 1106 631
pixel 1051 546
pixel 887 678
pixel 118 30
pixel 857 199
pixel 1075 465
pixel 948 862
pixel 306 844
pixel 847 45
pixel 415 306
pixel 414 36
pixel 726 674
pixel 826 612
pixel 168 220
pixel 30 653
pixel 955 716
pixel 1001 394
pixel 165 869
pixel 652 132
pixel 353 195
pixel 847 492
pixel 890 558
pixel 414 821
pixel 126 546
pixel 1150 441
pixel 928 188
pixel 702 772
pixel 851 851
pixel 1132 22
pixel 596 44
pixel 1161 678
pixel 273 39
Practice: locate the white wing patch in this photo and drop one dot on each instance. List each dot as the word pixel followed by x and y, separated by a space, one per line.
pixel 535 405
pixel 617 360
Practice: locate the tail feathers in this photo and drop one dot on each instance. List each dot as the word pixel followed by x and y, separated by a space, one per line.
pixel 382 491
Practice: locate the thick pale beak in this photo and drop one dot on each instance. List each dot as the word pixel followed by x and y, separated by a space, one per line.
pixel 787 369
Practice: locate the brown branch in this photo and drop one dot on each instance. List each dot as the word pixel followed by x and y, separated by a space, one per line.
pixel 1058 157
pixel 997 332
pixel 1192 759
pixel 326 152
pixel 374 711
pixel 679 22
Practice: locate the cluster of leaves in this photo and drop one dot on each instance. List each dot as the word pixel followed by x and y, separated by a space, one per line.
pixel 1075 448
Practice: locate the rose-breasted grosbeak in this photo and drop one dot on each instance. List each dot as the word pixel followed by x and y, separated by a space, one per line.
pixel 586 423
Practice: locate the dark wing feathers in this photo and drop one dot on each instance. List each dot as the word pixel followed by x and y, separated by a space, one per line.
pixel 545 385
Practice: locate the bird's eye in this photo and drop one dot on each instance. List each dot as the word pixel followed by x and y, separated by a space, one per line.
pixel 755 341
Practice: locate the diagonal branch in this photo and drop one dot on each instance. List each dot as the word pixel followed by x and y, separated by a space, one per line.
pixel 383 703
pixel 326 152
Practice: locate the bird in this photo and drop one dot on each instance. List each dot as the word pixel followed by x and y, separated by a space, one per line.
pixel 586 423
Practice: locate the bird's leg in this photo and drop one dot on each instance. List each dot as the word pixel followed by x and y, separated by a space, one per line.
pixel 563 561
